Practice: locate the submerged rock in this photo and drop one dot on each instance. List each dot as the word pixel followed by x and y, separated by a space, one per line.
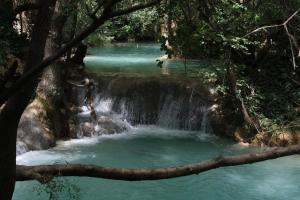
pixel 110 126
pixel 103 126
pixel 86 129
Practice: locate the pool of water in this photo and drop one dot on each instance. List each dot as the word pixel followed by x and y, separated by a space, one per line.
pixel 152 147
pixel 138 58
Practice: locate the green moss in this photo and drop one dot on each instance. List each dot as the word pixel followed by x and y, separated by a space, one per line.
pixel 47 118
pixel 44 104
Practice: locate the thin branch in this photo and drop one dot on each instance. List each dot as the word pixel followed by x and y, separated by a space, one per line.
pixel 263 28
pixel 274 26
pixel 294 41
pixel 25 173
pixel 291 17
pixel 291 38
pixel 295 81
pixel 291 46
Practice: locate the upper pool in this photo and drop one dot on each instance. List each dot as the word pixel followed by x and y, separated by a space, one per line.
pixel 137 58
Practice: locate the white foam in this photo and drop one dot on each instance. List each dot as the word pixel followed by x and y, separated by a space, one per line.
pixel 84 113
pixel 105 105
pixel 150 131
pixel 165 133
pixel 77 142
pixel 84 108
pixel 138 132
pixel 58 153
pixel 47 156
pixel 62 153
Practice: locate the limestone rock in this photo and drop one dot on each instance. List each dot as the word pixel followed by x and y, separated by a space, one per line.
pixel 33 133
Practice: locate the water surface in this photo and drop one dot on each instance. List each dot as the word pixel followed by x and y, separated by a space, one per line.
pixel 152 147
pixel 138 58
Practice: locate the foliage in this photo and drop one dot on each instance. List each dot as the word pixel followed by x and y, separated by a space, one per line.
pixel 207 28
pixel 138 26
pixel 58 186
pixel 141 25
pixel 273 100
pixel 211 28
pixel 266 79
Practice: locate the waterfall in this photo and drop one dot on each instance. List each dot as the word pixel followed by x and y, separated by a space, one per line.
pixel 122 102
pixel 204 123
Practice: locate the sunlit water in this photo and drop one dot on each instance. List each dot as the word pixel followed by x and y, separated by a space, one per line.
pixel 152 147
pixel 133 58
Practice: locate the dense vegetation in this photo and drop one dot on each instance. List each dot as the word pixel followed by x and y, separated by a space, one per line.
pixel 140 26
pixel 264 62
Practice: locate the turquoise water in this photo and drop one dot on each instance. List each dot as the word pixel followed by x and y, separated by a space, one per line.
pixel 152 147
pixel 134 58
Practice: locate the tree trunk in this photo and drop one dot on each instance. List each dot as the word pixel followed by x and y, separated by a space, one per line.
pixel 14 107
pixel 50 87
pixel 236 103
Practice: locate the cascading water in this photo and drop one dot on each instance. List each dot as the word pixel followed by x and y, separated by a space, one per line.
pixel 124 101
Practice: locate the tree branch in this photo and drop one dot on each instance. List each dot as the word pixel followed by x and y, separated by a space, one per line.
pixel 26 7
pixel 106 15
pixel 25 173
pixel 274 26
pixel 291 38
pixel 134 8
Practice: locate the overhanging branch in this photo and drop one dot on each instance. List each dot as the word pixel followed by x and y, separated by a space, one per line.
pixel 25 173
pixel 35 70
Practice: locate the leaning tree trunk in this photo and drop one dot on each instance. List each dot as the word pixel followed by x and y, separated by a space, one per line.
pixel 236 102
pixel 14 107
